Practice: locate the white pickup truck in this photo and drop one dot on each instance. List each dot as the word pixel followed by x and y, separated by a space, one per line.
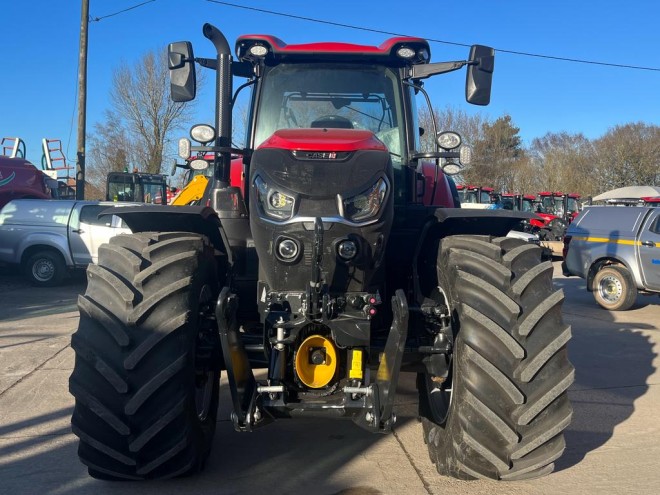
pixel 616 249
pixel 48 238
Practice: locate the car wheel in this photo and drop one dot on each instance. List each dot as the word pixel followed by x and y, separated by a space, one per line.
pixel 45 268
pixel 614 288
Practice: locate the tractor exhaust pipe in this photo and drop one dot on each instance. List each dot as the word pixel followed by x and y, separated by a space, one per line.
pixel 223 91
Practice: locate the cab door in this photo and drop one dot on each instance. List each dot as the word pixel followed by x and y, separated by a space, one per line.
pixel 649 250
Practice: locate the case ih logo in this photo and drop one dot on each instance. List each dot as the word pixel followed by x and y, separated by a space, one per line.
pixel 317 155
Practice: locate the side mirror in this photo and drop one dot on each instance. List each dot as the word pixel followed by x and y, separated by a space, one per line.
pixel 181 63
pixel 480 75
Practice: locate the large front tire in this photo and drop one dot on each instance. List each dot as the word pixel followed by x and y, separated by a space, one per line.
pixel 146 372
pixel 501 411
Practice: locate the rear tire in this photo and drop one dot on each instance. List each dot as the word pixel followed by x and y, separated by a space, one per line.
pixel 614 288
pixel 501 412
pixel 146 372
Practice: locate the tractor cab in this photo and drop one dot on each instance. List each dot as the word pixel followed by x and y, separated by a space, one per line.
pixel 136 187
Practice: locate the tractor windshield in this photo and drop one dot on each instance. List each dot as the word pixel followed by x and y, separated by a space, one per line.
pixel 528 204
pixel 469 196
pixel 326 96
pixel 548 204
pixel 573 205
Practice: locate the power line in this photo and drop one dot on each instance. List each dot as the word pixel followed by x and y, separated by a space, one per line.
pixel 97 19
pixel 445 42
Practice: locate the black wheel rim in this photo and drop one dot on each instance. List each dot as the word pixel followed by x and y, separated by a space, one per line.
pixel 439 389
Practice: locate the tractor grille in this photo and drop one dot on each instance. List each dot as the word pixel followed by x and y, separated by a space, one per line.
pixel 318 208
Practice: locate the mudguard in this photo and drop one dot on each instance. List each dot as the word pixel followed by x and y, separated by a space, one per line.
pixel 465 221
pixel 443 222
pixel 158 218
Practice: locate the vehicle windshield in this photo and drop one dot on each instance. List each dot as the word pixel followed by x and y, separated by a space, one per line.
pixel 484 197
pixel 468 196
pixel 152 193
pixel 548 204
pixel 573 205
pixel 508 203
pixel 332 96
pixel 528 205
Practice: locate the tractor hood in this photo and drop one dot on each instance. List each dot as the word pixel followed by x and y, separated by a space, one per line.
pixel 322 162
pixel 324 140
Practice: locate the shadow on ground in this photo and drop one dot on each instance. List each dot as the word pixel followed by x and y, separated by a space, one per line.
pixel 613 359
pixel 19 300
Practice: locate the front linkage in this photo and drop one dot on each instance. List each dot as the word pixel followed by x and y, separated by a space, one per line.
pixel 308 346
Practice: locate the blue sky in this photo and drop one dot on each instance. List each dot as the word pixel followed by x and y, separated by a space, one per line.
pixel 40 40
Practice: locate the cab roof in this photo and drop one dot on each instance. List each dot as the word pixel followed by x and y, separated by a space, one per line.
pixel 385 53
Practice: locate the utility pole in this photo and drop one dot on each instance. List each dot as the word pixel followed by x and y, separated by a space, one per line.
pixel 82 101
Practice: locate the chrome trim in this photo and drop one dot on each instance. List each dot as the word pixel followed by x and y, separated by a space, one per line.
pixel 333 219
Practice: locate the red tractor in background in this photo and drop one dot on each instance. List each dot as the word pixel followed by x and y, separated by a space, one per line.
pixel 565 206
pixel 475 195
pixel 332 254
pixel 556 210
pixel 517 201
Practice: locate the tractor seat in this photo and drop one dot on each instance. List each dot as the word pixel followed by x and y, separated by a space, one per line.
pixel 332 121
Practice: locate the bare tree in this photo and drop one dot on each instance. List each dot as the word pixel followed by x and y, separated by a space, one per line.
pixel 140 96
pixel 139 125
pixel 628 155
pixel 110 150
pixel 565 162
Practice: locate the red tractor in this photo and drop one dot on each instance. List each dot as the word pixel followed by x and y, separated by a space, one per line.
pixel 565 206
pixel 335 259
pixel 555 210
pixel 470 194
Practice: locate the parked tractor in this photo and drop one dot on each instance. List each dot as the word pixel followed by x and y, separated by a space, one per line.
pixel 475 196
pixel 136 187
pixel 333 260
pixel 555 211
pixel 565 206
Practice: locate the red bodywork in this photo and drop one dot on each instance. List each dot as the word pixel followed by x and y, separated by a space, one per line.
pixel 324 140
pixel 280 50
pixel 441 194
pixel 20 179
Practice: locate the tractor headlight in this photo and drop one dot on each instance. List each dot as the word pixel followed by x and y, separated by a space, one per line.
pixel 273 203
pixel 449 140
pixel 367 204
pixel 287 249
pixel 347 250
pixel 202 133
